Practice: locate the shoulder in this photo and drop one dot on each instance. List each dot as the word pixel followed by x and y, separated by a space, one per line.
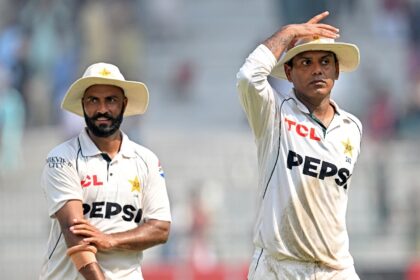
pixel 144 152
pixel 66 150
pixel 352 120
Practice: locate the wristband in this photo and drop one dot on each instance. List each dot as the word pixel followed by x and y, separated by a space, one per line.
pixel 82 255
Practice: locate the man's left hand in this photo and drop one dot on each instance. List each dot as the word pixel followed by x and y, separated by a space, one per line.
pixel 92 235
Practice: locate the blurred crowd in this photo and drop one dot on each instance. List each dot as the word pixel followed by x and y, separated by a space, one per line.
pixel 45 44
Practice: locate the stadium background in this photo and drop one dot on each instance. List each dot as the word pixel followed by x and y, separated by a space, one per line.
pixel 188 53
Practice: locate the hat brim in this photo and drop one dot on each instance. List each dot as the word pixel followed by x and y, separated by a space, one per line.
pixel 136 93
pixel 347 54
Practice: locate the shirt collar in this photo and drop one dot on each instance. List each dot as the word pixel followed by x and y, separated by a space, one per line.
pixel 89 148
pixel 304 109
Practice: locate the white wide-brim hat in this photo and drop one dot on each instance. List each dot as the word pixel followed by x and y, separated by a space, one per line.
pixel 347 54
pixel 106 74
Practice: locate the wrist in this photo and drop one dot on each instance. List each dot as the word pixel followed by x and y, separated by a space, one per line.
pixel 287 34
pixel 280 40
pixel 112 241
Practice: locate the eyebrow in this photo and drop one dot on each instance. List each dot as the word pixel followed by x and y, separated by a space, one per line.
pixel 322 57
pixel 106 97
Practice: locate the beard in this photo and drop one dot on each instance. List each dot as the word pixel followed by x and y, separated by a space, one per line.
pixel 104 130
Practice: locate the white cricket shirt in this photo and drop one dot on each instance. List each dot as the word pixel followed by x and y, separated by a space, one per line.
pixel 304 170
pixel 117 195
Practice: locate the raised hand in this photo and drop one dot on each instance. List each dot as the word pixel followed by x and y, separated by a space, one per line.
pixel 285 38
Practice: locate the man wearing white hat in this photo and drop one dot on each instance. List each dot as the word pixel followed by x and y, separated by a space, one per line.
pixel 106 195
pixel 307 148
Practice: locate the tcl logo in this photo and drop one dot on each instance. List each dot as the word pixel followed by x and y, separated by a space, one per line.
pixel 91 181
pixel 301 129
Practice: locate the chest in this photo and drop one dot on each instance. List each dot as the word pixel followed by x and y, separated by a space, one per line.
pixel 309 148
pixel 118 181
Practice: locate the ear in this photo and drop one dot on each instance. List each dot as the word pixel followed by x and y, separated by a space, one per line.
pixel 125 102
pixel 337 70
pixel 287 70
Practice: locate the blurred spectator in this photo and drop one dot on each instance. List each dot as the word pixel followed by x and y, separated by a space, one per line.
pixel 13 55
pixel 45 20
pixel 409 123
pixel 201 255
pixel 414 214
pixel 12 119
pixel 391 20
pixel 94 29
pixel 342 7
pixel 382 116
pixel 299 10
pixel 380 127
pixel 47 23
pixel 182 80
pixel 414 42
pixel 164 18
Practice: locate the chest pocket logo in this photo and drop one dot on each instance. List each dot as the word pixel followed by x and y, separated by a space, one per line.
pixel 135 184
pixel 302 130
pixel 348 150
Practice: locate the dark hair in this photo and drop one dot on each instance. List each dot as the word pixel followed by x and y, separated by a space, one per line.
pixel 290 61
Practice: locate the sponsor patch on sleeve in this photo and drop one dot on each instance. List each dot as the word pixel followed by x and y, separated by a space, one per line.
pixel 57 162
pixel 161 173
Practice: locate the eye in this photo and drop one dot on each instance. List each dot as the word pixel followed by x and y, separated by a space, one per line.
pixel 306 62
pixel 112 100
pixel 325 61
pixel 92 100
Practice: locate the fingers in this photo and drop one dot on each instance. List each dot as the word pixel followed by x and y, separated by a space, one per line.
pixel 327 31
pixel 91 240
pixel 318 17
pixel 328 27
pixel 82 229
pixel 83 232
pixel 81 221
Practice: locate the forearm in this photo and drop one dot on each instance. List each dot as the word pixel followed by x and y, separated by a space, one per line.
pixel 143 237
pixel 67 216
pixel 92 271
pixel 280 40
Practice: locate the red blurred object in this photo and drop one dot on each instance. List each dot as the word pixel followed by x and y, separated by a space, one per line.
pixel 413 271
pixel 188 272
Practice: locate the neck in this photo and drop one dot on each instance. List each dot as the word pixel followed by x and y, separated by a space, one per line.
pixel 110 145
pixel 320 108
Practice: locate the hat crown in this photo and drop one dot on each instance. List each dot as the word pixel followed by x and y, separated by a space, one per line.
pixel 313 40
pixel 103 70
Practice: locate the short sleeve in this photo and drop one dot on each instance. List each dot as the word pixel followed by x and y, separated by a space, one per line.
pixel 156 201
pixel 60 182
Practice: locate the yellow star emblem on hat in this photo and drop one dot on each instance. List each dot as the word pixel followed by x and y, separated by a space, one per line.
pixel 104 72
pixel 135 184
pixel 348 148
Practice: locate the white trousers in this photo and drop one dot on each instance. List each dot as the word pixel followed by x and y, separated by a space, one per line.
pixel 266 267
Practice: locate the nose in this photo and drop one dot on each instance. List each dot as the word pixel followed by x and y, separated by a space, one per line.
pixel 102 107
pixel 316 69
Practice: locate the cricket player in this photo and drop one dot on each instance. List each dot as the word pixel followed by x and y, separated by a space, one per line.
pixel 307 147
pixel 106 195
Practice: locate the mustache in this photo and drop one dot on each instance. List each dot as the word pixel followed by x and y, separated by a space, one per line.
pixel 102 115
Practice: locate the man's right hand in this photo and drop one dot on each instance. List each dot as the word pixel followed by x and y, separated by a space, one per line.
pixel 72 210
pixel 285 38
